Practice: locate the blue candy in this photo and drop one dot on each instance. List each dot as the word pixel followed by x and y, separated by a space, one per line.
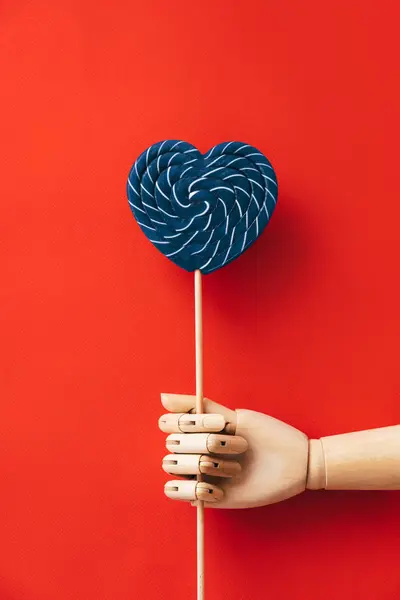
pixel 202 211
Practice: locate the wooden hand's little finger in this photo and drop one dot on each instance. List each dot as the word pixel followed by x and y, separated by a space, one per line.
pixel 191 491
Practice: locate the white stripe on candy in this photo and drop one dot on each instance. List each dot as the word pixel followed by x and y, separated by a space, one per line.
pixel 132 188
pixel 215 252
pixel 136 207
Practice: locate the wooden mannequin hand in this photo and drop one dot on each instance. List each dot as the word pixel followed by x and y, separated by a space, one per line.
pixel 267 460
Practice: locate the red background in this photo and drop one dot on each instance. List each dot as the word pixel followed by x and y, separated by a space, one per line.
pixel 96 323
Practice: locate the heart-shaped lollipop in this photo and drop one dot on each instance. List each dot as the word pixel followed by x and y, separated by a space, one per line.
pixel 202 211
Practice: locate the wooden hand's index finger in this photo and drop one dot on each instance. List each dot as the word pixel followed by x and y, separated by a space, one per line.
pixel 181 403
pixel 191 423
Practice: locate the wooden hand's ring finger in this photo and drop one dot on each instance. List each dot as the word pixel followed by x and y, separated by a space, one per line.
pixel 200 464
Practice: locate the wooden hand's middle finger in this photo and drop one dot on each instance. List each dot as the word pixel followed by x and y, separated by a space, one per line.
pixel 205 443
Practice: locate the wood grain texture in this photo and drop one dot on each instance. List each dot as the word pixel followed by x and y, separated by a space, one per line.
pixel 274 467
pixel 361 460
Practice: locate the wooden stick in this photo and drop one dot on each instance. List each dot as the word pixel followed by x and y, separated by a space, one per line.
pixel 198 312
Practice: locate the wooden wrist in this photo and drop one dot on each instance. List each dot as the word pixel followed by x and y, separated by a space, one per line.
pixel 360 460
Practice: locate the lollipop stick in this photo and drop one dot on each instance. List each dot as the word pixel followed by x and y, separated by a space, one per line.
pixel 199 341
pixel 198 312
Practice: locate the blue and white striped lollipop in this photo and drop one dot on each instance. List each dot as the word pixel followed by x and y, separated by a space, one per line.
pixel 202 211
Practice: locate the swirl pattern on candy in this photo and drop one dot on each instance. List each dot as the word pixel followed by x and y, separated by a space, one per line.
pixel 202 211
